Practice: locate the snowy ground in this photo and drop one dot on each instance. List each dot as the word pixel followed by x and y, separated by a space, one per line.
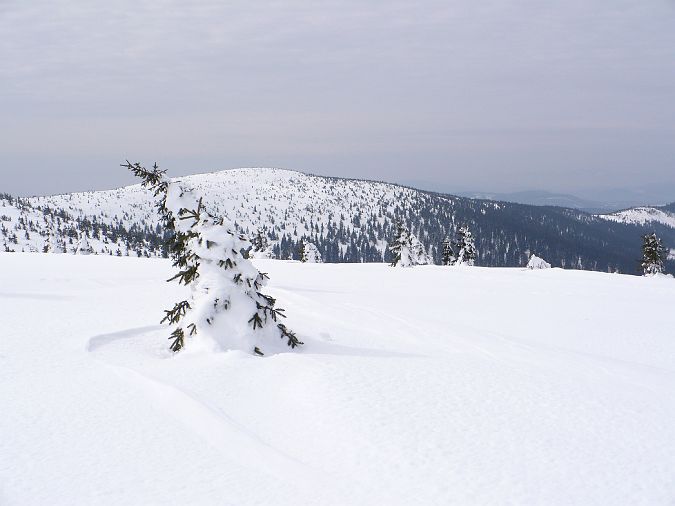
pixel 428 386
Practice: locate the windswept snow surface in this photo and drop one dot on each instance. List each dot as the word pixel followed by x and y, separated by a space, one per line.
pixel 534 387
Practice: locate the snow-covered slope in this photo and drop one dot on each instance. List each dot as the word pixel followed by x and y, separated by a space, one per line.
pixel 277 199
pixel 430 386
pixel 281 201
pixel 643 216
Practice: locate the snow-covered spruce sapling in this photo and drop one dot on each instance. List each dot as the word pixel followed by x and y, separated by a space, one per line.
pixel 309 253
pixel 55 243
pixel 259 245
pixel 406 249
pixel 448 253
pixel 466 247
pixel 83 245
pixel 653 254
pixel 227 306
pixel 399 246
pixel 419 254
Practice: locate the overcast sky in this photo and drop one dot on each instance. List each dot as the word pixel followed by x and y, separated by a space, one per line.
pixel 492 95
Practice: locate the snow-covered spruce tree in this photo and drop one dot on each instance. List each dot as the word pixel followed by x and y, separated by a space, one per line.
pixel 55 243
pixel 310 253
pixel 448 253
pixel 400 246
pixel 653 254
pixel 466 247
pixel 226 307
pixel 83 245
pixel 419 253
pixel 260 246
pixel 406 249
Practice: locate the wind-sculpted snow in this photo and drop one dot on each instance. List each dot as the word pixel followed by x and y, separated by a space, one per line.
pixel 423 386
pixel 348 220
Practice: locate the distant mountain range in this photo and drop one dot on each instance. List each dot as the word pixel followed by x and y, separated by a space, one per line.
pixel 544 198
pixel 348 220
pixel 599 200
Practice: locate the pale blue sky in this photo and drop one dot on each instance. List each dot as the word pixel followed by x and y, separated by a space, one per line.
pixel 493 95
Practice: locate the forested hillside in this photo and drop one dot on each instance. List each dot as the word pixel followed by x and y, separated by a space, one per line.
pixel 348 220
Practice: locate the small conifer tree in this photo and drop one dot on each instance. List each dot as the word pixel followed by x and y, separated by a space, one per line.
pixel 653 254
pixel 406 249
pixel 310 253
pixel 419 255
pixel 260 247
pixel 466 247
pixel 55 243
pixel 226 303
pixel 398 247
pixel 259 242
pixel 448 253
pixel 83 245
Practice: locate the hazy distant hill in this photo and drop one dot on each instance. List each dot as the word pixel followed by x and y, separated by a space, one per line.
pixel 544 198
pixel 349 221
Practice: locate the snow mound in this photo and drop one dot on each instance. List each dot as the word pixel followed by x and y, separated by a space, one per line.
pixel 537 263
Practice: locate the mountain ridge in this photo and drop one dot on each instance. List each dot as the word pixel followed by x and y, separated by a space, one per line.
pixel 350 220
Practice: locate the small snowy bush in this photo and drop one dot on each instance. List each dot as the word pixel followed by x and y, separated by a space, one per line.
pixel 537 263
pixel 227 308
